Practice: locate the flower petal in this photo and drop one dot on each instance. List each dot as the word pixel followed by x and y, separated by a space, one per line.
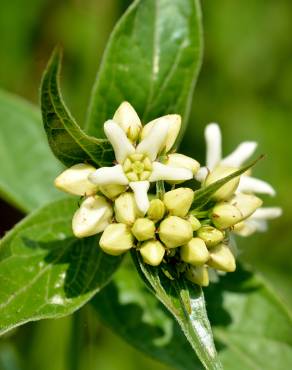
pixel 240 154
pixel 125 116
pixel 168 173
pixel 140 189
pixel 109 176
pixel 155 138
pixel 202 174
pixel 118 138
pixel 213 142
pixel 250 184
pixel 267 213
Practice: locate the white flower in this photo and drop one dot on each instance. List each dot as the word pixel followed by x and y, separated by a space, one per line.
pixel 236 159
pixel 137 164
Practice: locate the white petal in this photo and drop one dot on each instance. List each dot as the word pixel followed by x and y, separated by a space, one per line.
pixel 163 172
pixel 125 116
pixel 240 154
pixel 118 138
pixel 140 189
pixel 202 174
pixel 155 139
pixel 250 184
pixel 109 176
pixel 213 142
pixel 267 213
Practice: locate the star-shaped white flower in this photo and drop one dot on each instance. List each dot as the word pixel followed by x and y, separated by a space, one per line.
pixel 137 159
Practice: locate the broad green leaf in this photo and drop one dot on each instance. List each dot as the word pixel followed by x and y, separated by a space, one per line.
pixel 186 303
pixel 250 323
pixel 67 140
pixel 45 272
pixel 152 60
pixel 27 168
pixel 204 194
pixel 127 307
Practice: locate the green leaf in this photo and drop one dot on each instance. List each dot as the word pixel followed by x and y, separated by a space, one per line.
pixel 132 311
pixel 152 60
pixel 67 140
pixel 186 303
pixel 45 272
pixel 204 194
pixel 250 323
pixel 28 167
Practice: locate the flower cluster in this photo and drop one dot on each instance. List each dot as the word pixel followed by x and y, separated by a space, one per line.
pixel 162 226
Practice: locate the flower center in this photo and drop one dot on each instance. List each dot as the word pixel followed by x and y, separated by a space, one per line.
pixel 137 167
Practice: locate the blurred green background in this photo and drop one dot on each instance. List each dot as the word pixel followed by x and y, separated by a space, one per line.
pixel 245 85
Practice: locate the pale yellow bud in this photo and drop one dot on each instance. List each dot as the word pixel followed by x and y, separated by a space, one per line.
pixel 116 239
pixel 113 190
pixel 75 181
pixel 227 190
pixel 92 217
pixel 152 252
pixel 183 161
pixel 179 201
pixel 126 210
pixel 222 259
pixel 143 229
pixel 247 204
pixel 156 210
pixel 225 215
pixel 128 120
pixel 198 275
pixel 210 235
pixel 174 231
pixel 194 252
pixel 196 224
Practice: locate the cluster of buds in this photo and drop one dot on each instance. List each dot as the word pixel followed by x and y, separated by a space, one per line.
pixel 162 227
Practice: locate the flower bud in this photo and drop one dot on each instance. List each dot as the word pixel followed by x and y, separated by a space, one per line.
pixel 129 121
pixel 113 190
pixel 225 215
pixel 179 201
pixel 152 252
pixel 116 239
pixel 92 217
pixel 198 275
pixel 210 235
pixel 75 181
pixel 227 190
pixel 156 210
pixel 222 259
pixel 143 229
pixel 126 210
pixel 180 160
pixel 194 252
pixel 247 204
pixel 196 224
pixel 174 231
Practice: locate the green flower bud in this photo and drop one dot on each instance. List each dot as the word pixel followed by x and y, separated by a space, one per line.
pixel 198 275
pixel 221 258
pixel 156 210
pixel 75 181
pixel 174 231
pixel 210 235
pixel 180 160
pixel 143 229
pixel 116 239
pixel 152 252
pixel 194 252
pixel 227 190
pixel 196 224
pixel 126 210
pixel 129 121
pixel 113 190
pixel 247 204
pixel 225 215
pixel 179 201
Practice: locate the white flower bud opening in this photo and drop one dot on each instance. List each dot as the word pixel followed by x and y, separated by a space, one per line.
pixel 152 252
pixel 174 231
pixel 116 239
pixel 179 201
pixel 180 160
pixel 127 118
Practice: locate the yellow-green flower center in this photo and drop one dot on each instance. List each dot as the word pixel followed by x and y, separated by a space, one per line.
pixel 137 167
